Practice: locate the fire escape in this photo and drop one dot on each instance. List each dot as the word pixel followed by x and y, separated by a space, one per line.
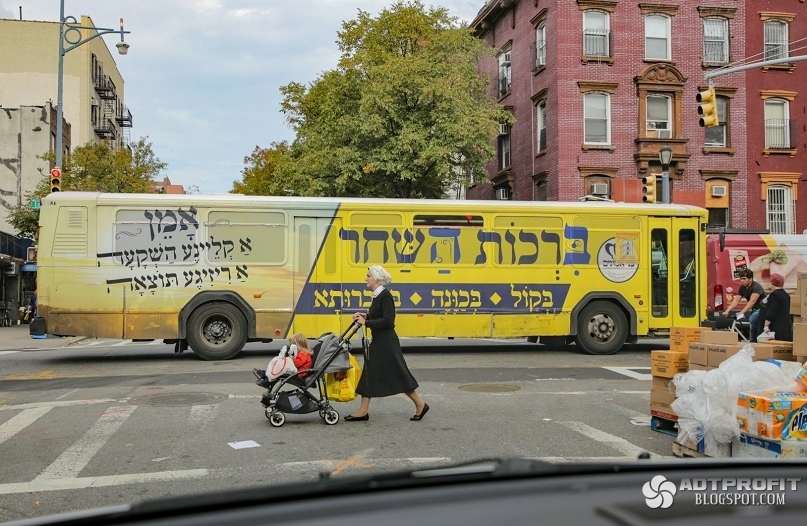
pixel 111 120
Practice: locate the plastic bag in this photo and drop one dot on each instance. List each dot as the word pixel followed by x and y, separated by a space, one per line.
pixel 279 366
pixel 707 400
pixel 344 388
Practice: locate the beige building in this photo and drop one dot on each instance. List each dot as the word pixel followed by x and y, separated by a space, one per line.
pixel 92 101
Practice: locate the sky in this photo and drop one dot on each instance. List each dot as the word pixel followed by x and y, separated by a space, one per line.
pixel 202 77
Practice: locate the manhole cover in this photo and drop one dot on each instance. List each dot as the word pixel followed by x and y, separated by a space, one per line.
pixel 489 388
pixel 178 399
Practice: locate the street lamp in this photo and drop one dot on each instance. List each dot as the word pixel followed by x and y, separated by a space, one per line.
pixel 664 157
pixel 70 39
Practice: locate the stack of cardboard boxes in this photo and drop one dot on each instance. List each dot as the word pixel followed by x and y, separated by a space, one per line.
pixel 664 365
pixel 798 308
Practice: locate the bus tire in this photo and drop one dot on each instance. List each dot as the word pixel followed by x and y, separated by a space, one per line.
pixel 217 331
pixel 601 328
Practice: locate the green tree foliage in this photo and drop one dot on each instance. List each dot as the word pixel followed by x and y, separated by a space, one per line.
pixel 93 168
pixel 404 107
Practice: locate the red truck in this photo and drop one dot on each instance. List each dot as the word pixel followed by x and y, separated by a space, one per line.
pixel 729 251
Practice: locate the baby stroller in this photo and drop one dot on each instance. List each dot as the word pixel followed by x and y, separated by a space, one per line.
pixel 293 394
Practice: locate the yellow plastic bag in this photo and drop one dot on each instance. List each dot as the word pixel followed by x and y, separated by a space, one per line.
pixel 344 389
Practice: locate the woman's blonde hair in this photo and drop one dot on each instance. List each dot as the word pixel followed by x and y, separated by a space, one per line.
pixel 380 274
pixel 300 341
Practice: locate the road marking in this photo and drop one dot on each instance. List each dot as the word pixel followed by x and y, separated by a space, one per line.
pixel 76 457
pixel 618 443
pixel 632 372
pixel 42 484
pixel 20 422
pixel 64 403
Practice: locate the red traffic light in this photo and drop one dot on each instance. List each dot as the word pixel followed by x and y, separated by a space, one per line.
pixel 56 180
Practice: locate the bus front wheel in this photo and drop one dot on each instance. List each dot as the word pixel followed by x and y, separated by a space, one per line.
pixel 601 328
pixel 217 331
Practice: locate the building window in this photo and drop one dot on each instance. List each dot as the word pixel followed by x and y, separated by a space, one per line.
pixel 504 73
pixel 596 111
pixel 659 116
pixel 718 216
pixel 657 37
pixel 775 39
pixel 780 210
pixel 540 45
pixel 715 40
pixel 540 125
pixel 541 193
pixel 596 34
pixel 504 149
pixel 716 135
pixel 777 124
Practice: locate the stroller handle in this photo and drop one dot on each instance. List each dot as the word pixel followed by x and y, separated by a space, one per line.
pixel 352 329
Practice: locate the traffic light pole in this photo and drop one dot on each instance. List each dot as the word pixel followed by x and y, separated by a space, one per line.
pixel 761 63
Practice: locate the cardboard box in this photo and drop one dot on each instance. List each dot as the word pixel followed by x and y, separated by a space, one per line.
pixel 719 337
pixel 755 447
pixel 706 444
pixel 668 363
pixel 800 339
pixel 769 351
pixel 697 353
pixel 662 396
pixel 662 410
pixel 662 384
pixel 680 337
pixel 801 291
pixel 716 354
pixel 795 306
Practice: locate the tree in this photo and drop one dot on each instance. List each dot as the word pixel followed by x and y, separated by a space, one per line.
pixel 94 168
pixel 404 103
pixel 269 171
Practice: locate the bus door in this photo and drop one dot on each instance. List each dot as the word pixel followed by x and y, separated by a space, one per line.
pixel 316 265
pixel 673 264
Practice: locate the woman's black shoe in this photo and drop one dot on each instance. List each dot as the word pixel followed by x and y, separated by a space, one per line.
pixel 351 418
pixel 418 418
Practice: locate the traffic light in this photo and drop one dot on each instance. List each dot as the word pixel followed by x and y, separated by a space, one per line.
pixel 649 189
pixel 707 108
pixel 56 180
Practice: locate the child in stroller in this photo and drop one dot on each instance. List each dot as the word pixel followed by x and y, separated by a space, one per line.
pixel 294 395
pixel 298 351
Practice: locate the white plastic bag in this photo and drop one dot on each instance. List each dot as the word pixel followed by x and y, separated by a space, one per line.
pixel 707 400
pixel 283 363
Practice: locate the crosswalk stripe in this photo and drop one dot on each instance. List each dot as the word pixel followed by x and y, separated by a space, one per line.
pixel 76 457
pixel 21 421
pixel 618 443
pixel 42 484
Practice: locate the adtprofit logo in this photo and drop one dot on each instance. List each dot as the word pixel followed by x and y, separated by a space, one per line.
pixel 659 492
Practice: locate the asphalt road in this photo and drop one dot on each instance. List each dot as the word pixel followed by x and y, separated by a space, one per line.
pixel 105 422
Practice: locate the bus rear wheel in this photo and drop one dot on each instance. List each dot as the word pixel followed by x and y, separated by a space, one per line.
pixel 217 331
pixel 601 328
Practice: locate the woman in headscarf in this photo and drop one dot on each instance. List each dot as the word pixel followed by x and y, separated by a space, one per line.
pixel 385 371
pixel 776 307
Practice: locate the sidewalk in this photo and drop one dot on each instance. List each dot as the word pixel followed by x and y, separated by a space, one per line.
pixel 18 337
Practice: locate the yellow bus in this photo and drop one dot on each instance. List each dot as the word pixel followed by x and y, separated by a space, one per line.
pixel 215 272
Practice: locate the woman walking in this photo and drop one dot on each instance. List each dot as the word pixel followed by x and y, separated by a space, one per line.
pixel 385 372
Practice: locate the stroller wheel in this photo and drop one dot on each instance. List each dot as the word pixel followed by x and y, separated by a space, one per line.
pixel 276 418
pixel 331 417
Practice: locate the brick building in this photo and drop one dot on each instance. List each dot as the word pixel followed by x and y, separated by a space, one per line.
pixel 598 87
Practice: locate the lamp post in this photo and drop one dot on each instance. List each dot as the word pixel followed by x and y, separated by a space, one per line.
pixel 664 157
pixel 70 39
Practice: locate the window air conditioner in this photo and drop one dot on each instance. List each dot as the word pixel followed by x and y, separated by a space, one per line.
pixel 502 194
pixel 599 189
pixel 664 134
pixel 718 191
pixel 504 129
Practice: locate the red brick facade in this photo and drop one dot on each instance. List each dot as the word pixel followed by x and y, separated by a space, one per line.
pixel 738 162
